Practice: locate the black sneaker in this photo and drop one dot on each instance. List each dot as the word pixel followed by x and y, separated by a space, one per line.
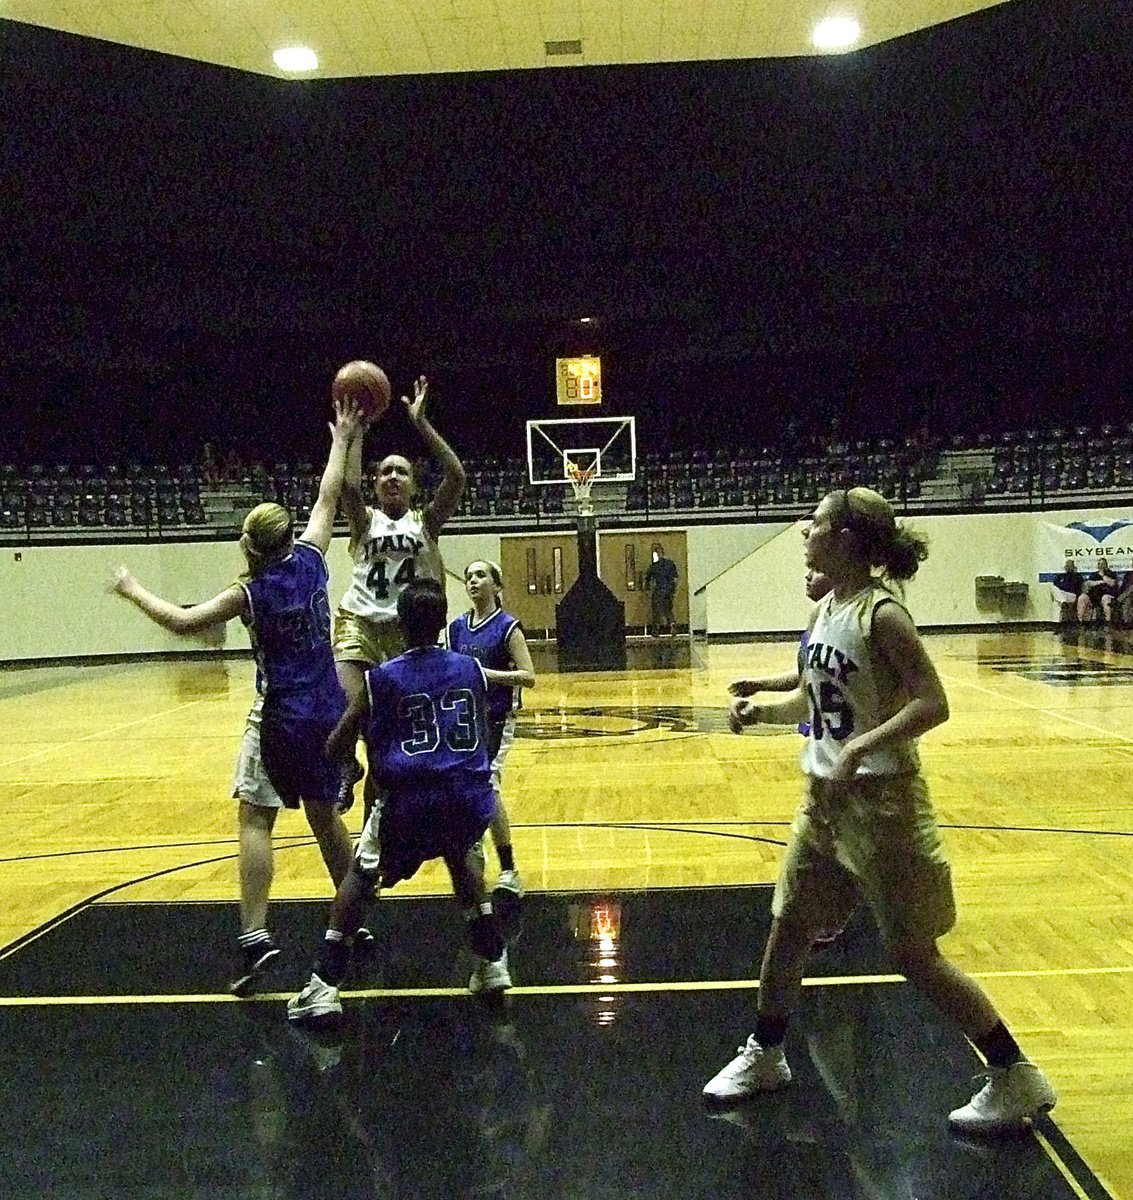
pixel 257 960
pixel 351 773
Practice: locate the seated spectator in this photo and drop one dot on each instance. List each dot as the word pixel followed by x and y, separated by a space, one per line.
pixel 260 478
pixel 233 471
pixel 209 465
pixel 1066 589
pixel 1099 594
pixel 1123 602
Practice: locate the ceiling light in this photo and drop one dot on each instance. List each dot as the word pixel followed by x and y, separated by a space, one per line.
pixel 295 58
pixel 836 33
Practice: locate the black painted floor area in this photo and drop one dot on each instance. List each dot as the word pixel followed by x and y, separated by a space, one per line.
pixel 660 935
pixel 553 1096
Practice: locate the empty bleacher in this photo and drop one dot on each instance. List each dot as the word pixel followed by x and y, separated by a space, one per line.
pixel 1015 469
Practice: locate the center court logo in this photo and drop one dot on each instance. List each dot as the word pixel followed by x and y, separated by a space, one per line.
pixel 602 720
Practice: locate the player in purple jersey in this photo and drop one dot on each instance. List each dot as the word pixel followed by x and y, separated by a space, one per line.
pixel 495 639
pixel 282 598
pixel 423 718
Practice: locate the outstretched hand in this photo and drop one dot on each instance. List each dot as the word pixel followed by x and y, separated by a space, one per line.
pixel 416 407
pixel 349 419
pixel 742 712
pixel 121 582
pixel 743 687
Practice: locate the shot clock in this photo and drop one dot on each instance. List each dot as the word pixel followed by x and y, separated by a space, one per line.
pixel 578 380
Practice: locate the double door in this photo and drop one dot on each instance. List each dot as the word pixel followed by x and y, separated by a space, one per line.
pixel 539 569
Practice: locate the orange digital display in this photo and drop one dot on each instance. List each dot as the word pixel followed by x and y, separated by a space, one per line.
pixel 578 380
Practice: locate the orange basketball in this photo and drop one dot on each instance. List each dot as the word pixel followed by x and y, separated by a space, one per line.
pixel 364 383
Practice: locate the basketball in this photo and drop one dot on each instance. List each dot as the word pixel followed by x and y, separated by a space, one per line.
pixel 364 383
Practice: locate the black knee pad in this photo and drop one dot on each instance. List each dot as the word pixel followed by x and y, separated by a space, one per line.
pixel 484 934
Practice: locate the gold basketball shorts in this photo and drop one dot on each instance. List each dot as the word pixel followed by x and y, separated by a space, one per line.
pixel 873 840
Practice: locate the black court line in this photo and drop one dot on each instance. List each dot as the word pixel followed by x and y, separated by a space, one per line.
pixel 288 841
pixel 84 904
pixel 600 1088
pixel 706 828
pixel 1075 1164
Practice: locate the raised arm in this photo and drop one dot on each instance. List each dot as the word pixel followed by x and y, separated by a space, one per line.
pixel 447 498
pixel 353 502
pixel 182 621
pixel 346 430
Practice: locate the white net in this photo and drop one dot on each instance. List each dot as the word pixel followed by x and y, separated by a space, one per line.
pixel 581 481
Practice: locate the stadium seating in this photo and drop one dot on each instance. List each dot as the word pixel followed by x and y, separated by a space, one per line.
pixel 1015 467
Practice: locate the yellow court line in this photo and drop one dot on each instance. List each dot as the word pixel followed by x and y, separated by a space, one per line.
pixel 563 989
pixel 550 989
pixel 1061 1167
pixel 1050 712
pixel 1051 972
pixel 60 746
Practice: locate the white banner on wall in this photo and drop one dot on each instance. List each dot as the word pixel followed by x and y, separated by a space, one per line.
pixel 1085 540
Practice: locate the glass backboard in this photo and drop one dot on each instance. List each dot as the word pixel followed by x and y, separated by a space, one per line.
pixel 605 445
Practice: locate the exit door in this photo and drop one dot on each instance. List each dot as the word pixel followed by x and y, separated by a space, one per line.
pixel 539 570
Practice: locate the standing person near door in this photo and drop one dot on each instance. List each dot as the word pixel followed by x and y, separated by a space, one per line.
pixel 661 583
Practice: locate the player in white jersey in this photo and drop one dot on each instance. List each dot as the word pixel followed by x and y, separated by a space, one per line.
pixel 865 830
pixel 391 544
pixel 816 586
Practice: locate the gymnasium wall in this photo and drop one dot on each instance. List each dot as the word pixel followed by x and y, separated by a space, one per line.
pixel 743 579
pixel 763 591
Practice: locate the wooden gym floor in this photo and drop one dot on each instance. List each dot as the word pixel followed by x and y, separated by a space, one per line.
pixel 647 836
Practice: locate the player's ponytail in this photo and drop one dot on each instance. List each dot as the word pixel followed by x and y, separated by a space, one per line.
pixel 266 536
pixel 885 542
pixel 906 551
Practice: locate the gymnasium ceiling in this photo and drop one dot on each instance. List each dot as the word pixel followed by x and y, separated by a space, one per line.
pixel 416 37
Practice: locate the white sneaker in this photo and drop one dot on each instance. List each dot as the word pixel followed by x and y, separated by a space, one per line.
pixel 1010 1098
pixel 753 1070
pixel 509 881
pixel 318 1000
pixel 490 976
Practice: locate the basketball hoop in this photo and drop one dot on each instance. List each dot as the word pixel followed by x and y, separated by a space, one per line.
pixel 581 481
